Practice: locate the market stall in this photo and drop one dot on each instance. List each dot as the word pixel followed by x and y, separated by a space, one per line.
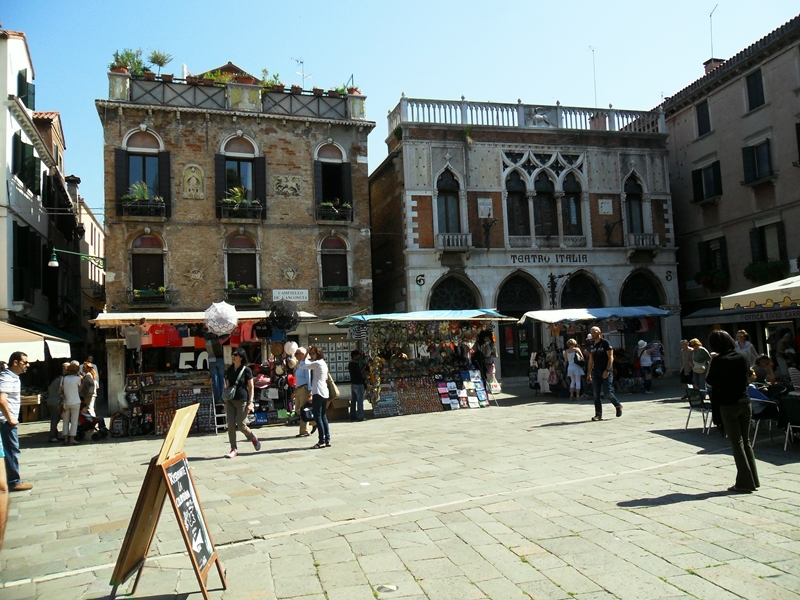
pixel 622 326
pixel 427 361
pixel 159 362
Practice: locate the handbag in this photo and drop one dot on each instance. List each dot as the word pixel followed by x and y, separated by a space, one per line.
pixel 699 367
pixel 333 390
pixel 307 413
pixel 230 391
pixel 579 360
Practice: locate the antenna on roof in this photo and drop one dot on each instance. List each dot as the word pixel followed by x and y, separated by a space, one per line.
pixel 594 75
pixel 711 27
pixel 302 71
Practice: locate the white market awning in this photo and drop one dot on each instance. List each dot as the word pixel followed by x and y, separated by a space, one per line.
pixel 18 339
pixel 118 319
pixel 575 315
pixel 784 293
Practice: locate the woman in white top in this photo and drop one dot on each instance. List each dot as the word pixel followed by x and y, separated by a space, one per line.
pixel 574 372
pixel 89 387
pixel 70 388
pixel 743 346
pixel 319 393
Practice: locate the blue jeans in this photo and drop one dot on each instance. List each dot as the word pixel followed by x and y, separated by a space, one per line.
pixel 10 438
pixel 217 369
pixel 320 407
pixel 356 401
pixel 647 378
pixel 608 391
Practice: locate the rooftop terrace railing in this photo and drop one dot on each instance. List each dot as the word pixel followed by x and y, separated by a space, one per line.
pixel 494 114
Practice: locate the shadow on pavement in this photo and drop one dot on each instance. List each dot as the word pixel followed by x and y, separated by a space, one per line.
pixel 766 451
pixel 672 499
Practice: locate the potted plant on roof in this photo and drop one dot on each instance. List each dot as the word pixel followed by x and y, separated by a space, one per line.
pixel 297 88
pixel 148 74
pixel 127 61
pixel 276 83
pixel 161 59
pixel 244 78
pixel 318 91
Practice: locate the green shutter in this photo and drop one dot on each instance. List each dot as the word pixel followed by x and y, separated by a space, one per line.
pixel 756 247
pixel 165 181
pixel 17 160
pixel 317 183
pixel 697 185
pixel 22 86
pixel 31 103
pixel 715 169
pixel 749 163
pixel 704 253
pixel 780 229
pixel 723 252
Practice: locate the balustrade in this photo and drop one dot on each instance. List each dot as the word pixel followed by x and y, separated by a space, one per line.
pixel 454 241
pixel 642 240
pixel 519 241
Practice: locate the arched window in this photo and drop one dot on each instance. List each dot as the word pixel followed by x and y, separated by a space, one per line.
pixel 581 292
pixel 518 217
pixel 571 206
pixel 239 155
pixel 241 264
pixel 640 290
pixel 452 294
pixel 147 267
pixel 335 276
pixel 633 206
pixel 240 180
pixel 142 175
pixel 333 188
pixel 545 212
pixel 448 211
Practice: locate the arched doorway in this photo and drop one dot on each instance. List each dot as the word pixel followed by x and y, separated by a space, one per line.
pixel 517 296
pixel 581 292
pixel 452 294
pixel 642 289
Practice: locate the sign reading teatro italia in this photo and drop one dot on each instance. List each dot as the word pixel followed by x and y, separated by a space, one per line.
pixel 548 259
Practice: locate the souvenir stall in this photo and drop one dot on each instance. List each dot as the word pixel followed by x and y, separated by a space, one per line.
pixel 162 362
pixel 427 361
pixel 622 326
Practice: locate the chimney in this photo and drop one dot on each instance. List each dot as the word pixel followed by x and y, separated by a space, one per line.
pixel 73 181
pixel 711 64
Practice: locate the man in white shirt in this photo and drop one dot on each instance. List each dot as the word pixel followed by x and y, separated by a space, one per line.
pixel 10 402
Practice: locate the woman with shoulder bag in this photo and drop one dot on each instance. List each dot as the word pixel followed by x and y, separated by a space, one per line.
pixel 700 360
pixel 576 362
pixel 728 376
pixel 239 400
pixel 70 388
pixel 319 393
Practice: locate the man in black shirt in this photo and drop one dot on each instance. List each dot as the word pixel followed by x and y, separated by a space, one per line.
pixel 601 373
pixel 356 387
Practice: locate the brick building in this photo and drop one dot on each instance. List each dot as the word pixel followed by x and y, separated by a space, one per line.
pixel 734 153
pixel 521 207
pixel 227 192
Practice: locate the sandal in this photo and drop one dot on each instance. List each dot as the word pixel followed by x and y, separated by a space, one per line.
pixel 328 445
pixel 317 446
pixel 302 434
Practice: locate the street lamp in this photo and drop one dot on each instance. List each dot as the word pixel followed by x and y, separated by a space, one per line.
pixel 552 286
pixel 99 261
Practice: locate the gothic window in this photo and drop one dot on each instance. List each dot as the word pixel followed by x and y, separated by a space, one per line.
pixel 147 263
pixel 640 290
pixel 142 170
pixel 571 206
pixel 545 213
pixel 633 206
pixel 449 214
pixel 581 292
pixel 452 294
pixel 333 188
pixel 518 216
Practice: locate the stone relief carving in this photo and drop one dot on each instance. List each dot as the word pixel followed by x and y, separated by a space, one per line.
pixel 287 185
pixel 194 182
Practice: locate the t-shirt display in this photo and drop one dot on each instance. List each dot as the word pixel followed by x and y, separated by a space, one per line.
pixel 133 337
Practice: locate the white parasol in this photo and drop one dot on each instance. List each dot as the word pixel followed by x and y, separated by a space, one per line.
pixel 221 318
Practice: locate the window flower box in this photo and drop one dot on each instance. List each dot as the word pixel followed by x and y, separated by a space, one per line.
pixel 767 272
pixel 714 281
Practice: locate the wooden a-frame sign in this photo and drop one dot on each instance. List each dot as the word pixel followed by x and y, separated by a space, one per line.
pixel 168 475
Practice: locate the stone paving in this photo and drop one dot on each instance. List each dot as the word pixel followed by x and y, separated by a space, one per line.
pixel 528 500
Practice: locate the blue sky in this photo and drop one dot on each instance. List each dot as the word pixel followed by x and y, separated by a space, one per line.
pixel 500 51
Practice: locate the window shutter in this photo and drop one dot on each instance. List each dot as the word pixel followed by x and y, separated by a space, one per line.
pixel 347 186
pixel 749 163
pixel 797 135
pixel 31 103
pixel 165 181
pixel 36 186
pixel 120 177
pixel 715 168
pixel 260 183
pixel 22 86
pixel 317 183
pixel 697 185
pixel 755 245
pixel 16 164
pixel 219 181
pixel 28 169
pixel 769 158
pixel 704 253
pixel 780 229
pixel 723 252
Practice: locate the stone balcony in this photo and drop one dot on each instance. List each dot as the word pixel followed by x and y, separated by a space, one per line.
pixel 495 114
pixel 235 97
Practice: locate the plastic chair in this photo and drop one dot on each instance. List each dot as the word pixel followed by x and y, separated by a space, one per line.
pixel 790 407
pixel 770 413
pixel 697 401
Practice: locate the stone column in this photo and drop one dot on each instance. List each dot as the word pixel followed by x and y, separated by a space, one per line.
pixel 531 213
pixel 558 196
pixel 115 363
